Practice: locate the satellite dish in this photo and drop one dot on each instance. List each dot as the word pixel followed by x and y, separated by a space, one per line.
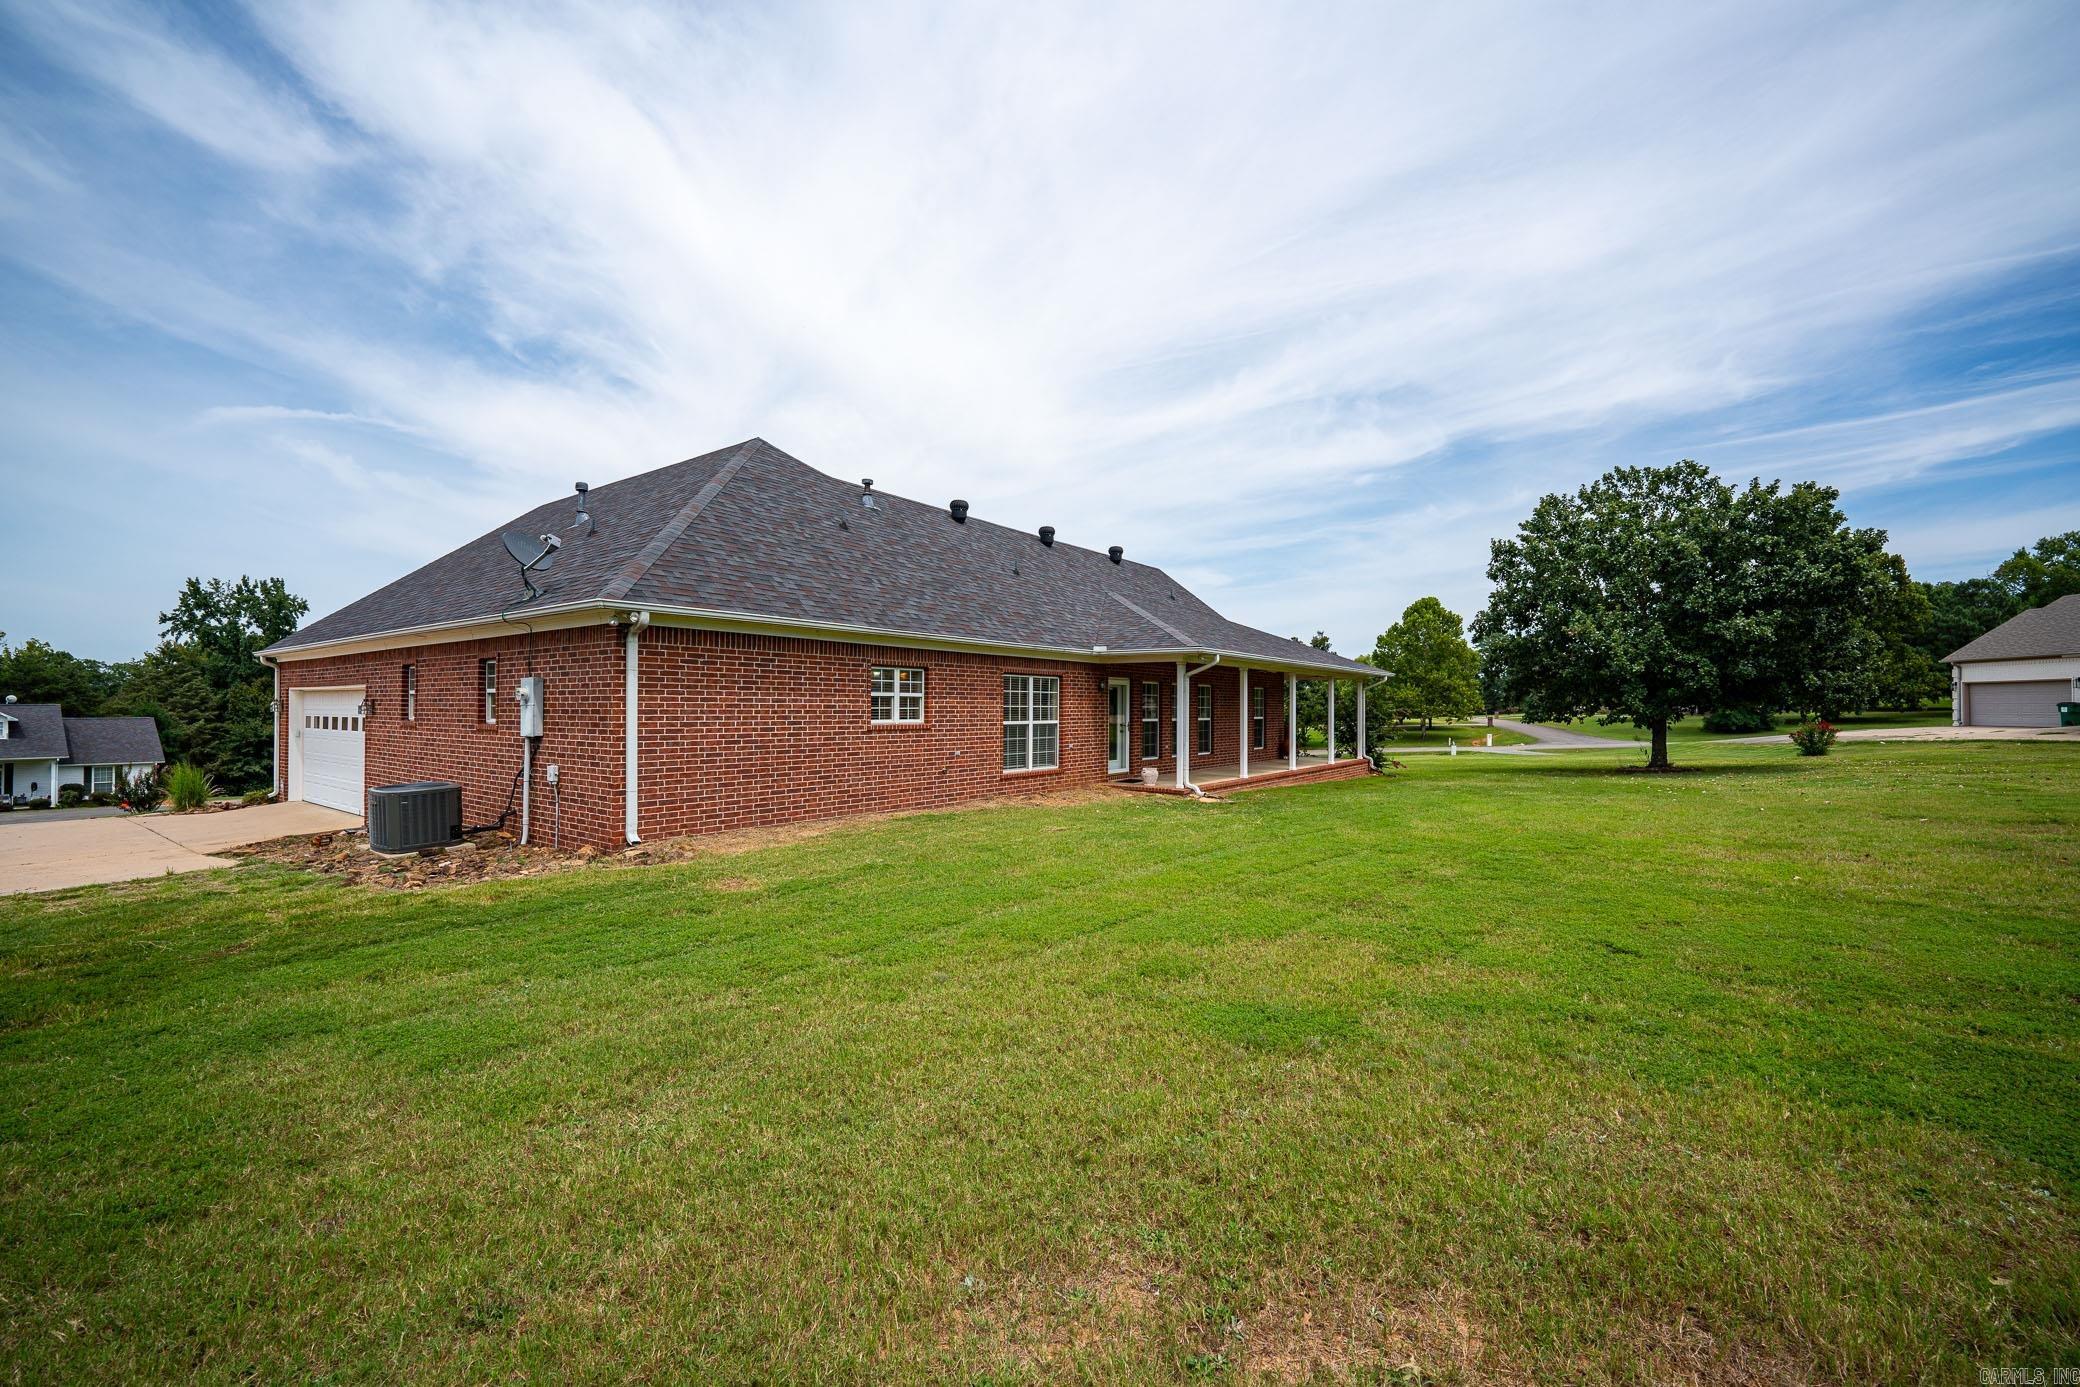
pixel 534 554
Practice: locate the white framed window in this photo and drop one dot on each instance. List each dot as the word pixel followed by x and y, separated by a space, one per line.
pixel 1256 718
pixel 411 693
pixel 896 694
pixel 489 669
pixel 1205 736
pixel 104 779
pixel 1151 720
pixel 1032 722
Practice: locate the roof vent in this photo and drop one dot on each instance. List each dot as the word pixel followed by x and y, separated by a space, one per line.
pixel 1114 553
pixel 584 515
pixel 1047 535
pixel 959 511
pixel 867 497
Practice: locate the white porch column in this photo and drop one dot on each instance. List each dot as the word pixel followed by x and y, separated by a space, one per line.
pixel 1361 717
pixel 1184 745
pixel 1242 719
pixel 1292 723
pixel 1329 726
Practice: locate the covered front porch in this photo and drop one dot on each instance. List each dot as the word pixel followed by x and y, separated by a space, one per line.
pixel 1236 723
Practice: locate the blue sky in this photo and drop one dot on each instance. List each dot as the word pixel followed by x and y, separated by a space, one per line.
pixel 1307 312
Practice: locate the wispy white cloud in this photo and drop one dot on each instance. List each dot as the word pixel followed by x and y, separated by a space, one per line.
pixel 1308 308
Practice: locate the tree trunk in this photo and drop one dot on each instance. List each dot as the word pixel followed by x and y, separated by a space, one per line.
pixel 1657 760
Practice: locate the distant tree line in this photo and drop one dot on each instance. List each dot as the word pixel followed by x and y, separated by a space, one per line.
pixel 204 684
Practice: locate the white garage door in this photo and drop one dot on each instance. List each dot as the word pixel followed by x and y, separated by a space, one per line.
pixel 2031 703
pixel 329 722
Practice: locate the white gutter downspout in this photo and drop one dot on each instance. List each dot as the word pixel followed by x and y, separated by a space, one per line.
pixel 1184 746
pixel 275 788
pixel 629 762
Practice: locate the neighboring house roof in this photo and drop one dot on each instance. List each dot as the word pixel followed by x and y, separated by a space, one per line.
pixel 41 732
pixel 2045 632
pixel 750 532
pixel 38 733
pixel 113 742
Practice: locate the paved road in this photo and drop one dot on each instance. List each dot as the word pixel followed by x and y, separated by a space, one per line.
pixel 48 854
pixel 17 817
pixel 1937 734
pixel 1559 738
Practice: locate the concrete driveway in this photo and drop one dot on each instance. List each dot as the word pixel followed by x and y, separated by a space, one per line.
pixel 37 855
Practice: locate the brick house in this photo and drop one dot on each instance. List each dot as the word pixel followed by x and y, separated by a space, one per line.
pixel 740 640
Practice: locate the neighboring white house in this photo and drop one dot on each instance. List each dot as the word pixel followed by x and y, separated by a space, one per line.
pixel 42 749
pixel 2018 673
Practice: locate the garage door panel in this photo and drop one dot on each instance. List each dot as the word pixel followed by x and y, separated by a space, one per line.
pixel 333 754
pixel 2028 703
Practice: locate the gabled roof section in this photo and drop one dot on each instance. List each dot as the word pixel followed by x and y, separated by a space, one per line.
pixel 113 742
pixel 38 733
pixel 2045 632
pixel 751 532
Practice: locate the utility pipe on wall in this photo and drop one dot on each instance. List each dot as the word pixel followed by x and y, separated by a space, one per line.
pixel 526 784
pixel 630 764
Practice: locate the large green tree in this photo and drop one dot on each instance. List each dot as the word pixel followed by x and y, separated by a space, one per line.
pixel 1656 591
pixel 37 672
pixel 206 684
pixel 1431 671
pixel 2044 572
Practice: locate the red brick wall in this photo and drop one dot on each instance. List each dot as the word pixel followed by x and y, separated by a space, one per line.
pixel 737 730
pixel 448 740
pixel 745 730
pixel 740 730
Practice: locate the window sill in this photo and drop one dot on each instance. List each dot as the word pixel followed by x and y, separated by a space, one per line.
pixel 1034 770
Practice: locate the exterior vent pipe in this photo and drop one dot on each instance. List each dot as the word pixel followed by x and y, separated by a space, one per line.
pixel 1047 535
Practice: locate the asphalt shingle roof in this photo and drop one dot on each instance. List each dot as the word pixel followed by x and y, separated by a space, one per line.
pixel 749 531
pixel 41 732
pixel 113 742
pixel 2045 632
pixel 38 733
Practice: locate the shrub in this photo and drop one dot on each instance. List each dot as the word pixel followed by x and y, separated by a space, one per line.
pixel 141 795
pixel 1813 737
pixel 38 803
pixel 1740 721
pixel 188 786
pixel 253 797
pixel 71 796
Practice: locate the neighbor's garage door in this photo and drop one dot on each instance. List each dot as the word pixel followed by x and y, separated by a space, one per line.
pixel 2031 704
pixel 330 725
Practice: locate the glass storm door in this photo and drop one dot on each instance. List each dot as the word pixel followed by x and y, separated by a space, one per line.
pixel 1116 727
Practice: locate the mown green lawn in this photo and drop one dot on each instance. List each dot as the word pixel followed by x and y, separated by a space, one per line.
pixel 1492 1067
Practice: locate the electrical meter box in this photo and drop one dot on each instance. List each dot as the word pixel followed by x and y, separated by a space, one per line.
pixel 529 696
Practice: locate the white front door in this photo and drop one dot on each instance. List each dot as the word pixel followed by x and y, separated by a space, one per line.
pixel 327 729
pixel 1117 749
